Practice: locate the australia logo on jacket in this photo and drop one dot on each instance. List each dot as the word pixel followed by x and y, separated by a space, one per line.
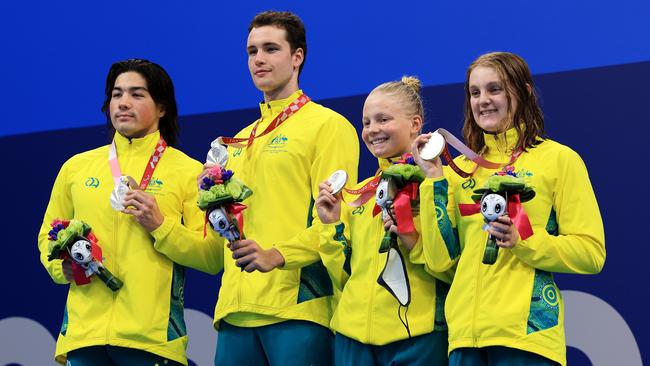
pixel 155 185
pixel 277 144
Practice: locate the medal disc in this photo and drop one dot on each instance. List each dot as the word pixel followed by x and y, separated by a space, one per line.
pixel 337 181
pixel 433 148
pixel 118 194
pixel 218 154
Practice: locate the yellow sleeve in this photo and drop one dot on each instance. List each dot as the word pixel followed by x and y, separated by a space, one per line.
pixel 182 241
pixel 335 252
pixel 337 148
pixel 59 207
pixel 579 246
pixel 439 237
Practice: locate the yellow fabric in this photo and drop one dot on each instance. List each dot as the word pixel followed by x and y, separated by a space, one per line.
pixel 283 169
pixel 366 311
pixel 137 316
pixel 489 305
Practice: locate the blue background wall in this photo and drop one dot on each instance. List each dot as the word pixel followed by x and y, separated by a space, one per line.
pixel 591 62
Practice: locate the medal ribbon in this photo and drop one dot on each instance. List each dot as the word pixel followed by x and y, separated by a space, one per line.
pixel 155 157
pixel 288 111
pixel 450 139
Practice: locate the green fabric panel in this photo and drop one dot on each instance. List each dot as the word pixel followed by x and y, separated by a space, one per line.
pixel 449 233
pixel 544 303
pixel 176 324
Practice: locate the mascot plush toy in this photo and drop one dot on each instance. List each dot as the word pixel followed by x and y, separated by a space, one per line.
pixel 502 195
pixel 73 240
pixel 396 197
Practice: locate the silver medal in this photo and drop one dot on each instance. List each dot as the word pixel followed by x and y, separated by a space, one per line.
pixel 337 181
pixel 118 194
pixel 218 153
pixel 433 148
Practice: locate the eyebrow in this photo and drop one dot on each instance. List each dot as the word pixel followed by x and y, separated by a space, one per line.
pixel 131 89
pixel 266 44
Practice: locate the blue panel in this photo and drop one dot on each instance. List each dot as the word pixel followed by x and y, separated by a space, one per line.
pixel 56 54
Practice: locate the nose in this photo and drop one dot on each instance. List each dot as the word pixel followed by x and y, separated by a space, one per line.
pixel 484 99
pixel 258 59
pixel 124 102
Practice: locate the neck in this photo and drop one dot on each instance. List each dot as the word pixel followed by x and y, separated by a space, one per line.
pixel 282 92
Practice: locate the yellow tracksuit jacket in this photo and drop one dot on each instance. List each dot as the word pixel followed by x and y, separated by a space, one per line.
pixel 284 168
pixel 147 312
pixel 515 302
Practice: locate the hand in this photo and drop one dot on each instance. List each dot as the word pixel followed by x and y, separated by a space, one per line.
pixel 432 169
pixel 144 208
pixel 407 239
pixel 66 266
pixel 504 232
pixel 250 256
pixel 206 167
pixel 328 205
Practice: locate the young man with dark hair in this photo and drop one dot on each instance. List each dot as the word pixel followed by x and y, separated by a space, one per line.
pixel 147 238
pixel 281 317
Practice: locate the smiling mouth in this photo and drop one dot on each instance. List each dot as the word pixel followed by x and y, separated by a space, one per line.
pixel 488 112
pixel 378 141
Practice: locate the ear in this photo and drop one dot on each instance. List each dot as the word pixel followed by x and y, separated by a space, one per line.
pixel 298 57
pixel 161 110
pixel 530 89
pixel 416 125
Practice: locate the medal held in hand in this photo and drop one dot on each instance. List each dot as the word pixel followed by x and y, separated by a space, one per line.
pixel 337 181
pixel 74 241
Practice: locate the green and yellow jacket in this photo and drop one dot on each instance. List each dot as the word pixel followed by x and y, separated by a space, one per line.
pixel 284 169
pixel 147 312
pixel 514 302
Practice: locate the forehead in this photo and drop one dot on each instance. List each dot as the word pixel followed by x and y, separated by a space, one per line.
pixel 483 75
pixel 267 34
pixel 130 79
pixel 379 101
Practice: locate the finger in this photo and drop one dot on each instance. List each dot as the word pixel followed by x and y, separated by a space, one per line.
pixel 133 212
pixel 137 205
pixel 505 219
pixel 242 252
pixel 207 166
pixel 327 186
pixel 245 261
pixel 499 226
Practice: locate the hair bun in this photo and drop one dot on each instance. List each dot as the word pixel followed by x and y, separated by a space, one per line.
pixel 413 83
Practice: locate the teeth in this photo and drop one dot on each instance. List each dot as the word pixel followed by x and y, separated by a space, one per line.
pixel 378 141
pixel 488 112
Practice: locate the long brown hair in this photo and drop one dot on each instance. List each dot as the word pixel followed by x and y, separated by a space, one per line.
pixel 518 83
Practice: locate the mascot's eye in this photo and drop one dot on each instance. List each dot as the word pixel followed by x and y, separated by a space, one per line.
pixel 88 247
pixel 222 224
pixel 381 193
pixel 497 208
pixel 78 256
pixel 484 207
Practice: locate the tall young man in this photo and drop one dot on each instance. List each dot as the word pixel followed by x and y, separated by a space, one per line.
pixel 281 317
pixel 147 244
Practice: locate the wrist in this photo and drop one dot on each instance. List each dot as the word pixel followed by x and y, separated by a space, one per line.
pixel 277 260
